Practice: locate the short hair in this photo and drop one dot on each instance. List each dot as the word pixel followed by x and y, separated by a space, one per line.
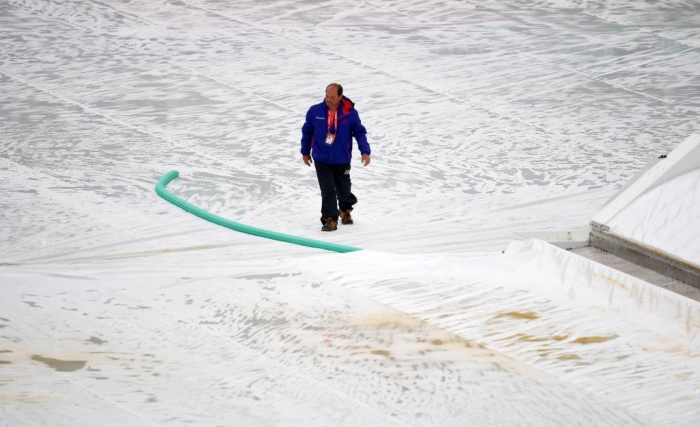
pixel 337 86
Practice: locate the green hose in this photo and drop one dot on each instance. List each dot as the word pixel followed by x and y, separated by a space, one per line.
pixel 162 192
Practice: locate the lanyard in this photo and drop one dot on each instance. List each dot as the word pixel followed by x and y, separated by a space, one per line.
pixel 332 122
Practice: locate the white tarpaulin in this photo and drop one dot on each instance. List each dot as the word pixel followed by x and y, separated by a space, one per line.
pixel 666 219
pixel 119 309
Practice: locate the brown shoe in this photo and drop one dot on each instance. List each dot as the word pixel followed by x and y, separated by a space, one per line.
pixel 345 216
pixel 330 224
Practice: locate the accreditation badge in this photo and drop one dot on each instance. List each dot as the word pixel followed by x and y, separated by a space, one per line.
pixel 330 138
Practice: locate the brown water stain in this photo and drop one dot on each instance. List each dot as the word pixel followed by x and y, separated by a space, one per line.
pixel 510 337
pixel 686 398
pixel 387 320
pixel 528 315
pixel 684 375
pixel 61 365
pixel 568 357
pixel 614 283
pixel 678 349
pixel 24 398
pixel 530 338
pixel 410 337
pixel 593 339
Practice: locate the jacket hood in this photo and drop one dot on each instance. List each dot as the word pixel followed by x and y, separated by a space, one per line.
pixel 345 106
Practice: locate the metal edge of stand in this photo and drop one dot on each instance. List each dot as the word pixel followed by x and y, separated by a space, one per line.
pixel 643 256
pixel 165 194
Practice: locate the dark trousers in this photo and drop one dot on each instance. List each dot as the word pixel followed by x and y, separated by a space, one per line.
pixel 335 184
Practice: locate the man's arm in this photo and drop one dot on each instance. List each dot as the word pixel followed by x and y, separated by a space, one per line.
pixel 307 132
pixel 360 134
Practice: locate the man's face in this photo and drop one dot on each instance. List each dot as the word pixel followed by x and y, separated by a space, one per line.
pixel 332 98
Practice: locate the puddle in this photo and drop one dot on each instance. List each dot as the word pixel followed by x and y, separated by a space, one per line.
pixel 32 304
pixel 61 365
pixel 96 340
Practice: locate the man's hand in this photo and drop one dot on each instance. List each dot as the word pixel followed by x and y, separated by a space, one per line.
pixel 365 159
pixel 307 160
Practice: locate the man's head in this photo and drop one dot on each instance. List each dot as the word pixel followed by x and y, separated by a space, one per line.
pixel 334 93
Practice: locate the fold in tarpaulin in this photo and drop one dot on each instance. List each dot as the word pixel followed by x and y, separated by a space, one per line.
pixel 598 328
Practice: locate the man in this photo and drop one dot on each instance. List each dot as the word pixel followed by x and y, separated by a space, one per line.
pixel 327 138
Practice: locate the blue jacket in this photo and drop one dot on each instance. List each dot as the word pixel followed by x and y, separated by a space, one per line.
pixel 313 134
